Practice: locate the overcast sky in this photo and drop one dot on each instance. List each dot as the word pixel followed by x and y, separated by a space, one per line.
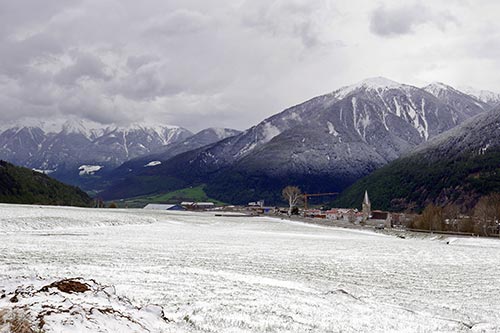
pixel 232 63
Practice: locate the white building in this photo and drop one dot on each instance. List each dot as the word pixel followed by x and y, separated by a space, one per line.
pixel 163 207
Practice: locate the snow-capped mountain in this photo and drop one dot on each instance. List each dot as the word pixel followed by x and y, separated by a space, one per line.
pixel 65 148
pixel 325 143
pixel 387 116
pixel 198 140
pixel 378 116
pixel 457 99
pixel 458 166
pixel 486 96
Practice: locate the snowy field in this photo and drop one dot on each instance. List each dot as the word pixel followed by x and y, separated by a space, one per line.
pixel 233 274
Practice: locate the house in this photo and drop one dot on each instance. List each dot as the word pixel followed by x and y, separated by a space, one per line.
pixel 197 205
pixel 314 213
pixel 259 203
pixel 347 214
pixel 163 207
pixel 332 214
pixel 379 219
pixel 204 205
pixel 379 215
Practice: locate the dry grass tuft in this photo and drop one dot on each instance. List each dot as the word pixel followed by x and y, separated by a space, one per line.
pixel 15 321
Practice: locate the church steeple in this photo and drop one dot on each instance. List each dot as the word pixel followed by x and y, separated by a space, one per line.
pixel 366 201
pixel 367 207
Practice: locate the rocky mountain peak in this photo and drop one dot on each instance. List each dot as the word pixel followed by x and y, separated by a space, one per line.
pixel 379 82
pixel 222 132
pixel 438 89
pixel 375 83
pixel 485 96
pixel 77 126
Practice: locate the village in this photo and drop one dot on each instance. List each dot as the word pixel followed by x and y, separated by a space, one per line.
pixel 344 217
pixel 432 220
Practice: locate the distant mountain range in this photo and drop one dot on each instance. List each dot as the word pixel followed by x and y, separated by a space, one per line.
pixel 25 186
pixel 198 140
pixel 80 148
pixel 324 144
pixel 485 96
pixel 457 167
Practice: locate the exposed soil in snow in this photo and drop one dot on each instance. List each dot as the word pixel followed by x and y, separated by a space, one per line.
pixel 72 305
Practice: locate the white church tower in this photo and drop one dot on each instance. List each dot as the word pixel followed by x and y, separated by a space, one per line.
pixel 366 207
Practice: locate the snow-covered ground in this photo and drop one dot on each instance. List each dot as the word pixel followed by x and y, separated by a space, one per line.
pixel 237 274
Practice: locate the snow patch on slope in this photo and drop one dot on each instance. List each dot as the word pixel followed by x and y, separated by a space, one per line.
pixel 223 133
pixel 331 129
pixel 152 164
pixel 45 172
pixel 263 134
pixel 269 131
pixel 88 169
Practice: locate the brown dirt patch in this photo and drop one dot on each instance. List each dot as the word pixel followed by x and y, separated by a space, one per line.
pixel 68 286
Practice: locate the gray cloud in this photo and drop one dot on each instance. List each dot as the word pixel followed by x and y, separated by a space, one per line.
pixel 22 16
pixel 178 22
pixel 401 20
pixel 136 61
pixel 297 19
pixel 199 63
pixel 84 66
pixel 16 55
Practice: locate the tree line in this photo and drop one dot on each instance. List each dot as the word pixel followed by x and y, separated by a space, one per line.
pixel 482 220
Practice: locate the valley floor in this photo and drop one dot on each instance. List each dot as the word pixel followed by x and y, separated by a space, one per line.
pixel 228 274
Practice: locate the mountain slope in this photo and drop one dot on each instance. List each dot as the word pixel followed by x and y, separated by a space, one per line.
pixel 327 142
pixel 203 138
pixel 486 96
pixel 457 167
pixel 61 152
pixel 21 185
pixel 457 99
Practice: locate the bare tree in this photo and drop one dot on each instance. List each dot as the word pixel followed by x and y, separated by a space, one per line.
pixel 430 219
pixel 451 214
pixel 487 214
pixel 292 194
pixel 482 214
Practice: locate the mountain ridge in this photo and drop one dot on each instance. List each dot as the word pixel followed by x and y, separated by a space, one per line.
pixel 64 149
pixel 337 137
pixel 457 167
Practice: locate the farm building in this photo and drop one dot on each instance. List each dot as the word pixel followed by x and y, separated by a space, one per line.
pixel 163 207
pixel 197 205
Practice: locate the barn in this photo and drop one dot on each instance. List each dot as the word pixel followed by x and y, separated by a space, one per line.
pixel 163 207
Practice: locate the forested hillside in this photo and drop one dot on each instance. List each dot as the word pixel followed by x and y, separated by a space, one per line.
pixel 457 167
pixel 25 186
